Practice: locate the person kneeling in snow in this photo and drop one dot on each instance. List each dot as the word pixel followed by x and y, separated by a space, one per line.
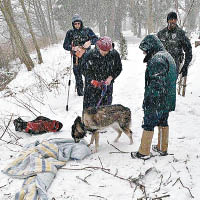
pixel 159 96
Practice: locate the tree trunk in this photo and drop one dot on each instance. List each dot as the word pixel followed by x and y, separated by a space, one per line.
pixel 51 21
pixel 3 60
pixel 110 18
pixel 133 15
pixel 5 7
pixel 41 19
pixel 150 17
pixel 38 19
pixel 14 54
pixel 31 32
pixel 118 22
pixel 101 18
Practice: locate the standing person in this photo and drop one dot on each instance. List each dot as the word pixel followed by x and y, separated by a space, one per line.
pixel 101 66
pixel 78 40
pixel 175 42
pixel 159 95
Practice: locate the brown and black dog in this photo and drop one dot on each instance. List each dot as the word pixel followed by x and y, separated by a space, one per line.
pixel 93 120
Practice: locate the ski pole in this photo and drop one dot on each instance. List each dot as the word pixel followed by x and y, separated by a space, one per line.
pixel 69 83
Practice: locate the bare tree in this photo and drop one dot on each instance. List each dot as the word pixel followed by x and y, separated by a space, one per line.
pixel 101 17
pixel 6 9
pixel 31 32
pixel 51 21
pixel 41 19
pixel 110 18
pixel 133 15
pixel 150 17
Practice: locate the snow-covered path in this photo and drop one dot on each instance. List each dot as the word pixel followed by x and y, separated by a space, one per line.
pixel 166 174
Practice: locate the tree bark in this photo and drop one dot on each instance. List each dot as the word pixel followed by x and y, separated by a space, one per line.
pixel 110 18
pixel 133 15
pixel 41 19
pixel 51 22
pixel 5 7
pixel 31 32
pixel 150 17
pixel 38 19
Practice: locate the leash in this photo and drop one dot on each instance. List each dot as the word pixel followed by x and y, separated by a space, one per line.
pixel 104 90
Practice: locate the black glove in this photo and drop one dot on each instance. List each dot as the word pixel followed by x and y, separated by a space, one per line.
pixel 184 71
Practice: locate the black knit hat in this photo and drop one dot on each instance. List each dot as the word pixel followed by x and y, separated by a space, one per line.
pixel 171 15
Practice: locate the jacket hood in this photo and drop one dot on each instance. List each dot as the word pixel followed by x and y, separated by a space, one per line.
pixel 77 18
pixel 151 44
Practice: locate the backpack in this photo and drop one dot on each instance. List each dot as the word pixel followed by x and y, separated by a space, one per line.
pixel 37 126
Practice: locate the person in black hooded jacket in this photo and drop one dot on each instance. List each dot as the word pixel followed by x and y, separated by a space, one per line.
pixel 101 66
pixel 159 96
pixel 175 42
pixel 76 39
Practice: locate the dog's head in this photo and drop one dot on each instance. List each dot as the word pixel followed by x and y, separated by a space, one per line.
pixel 78 130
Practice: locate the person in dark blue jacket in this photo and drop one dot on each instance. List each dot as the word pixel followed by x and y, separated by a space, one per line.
pixel 78 40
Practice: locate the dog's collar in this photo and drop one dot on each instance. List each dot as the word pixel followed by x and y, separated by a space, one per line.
pixel 85 128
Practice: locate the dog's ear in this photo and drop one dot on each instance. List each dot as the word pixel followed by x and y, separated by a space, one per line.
pixel 73 130
pixel 77 120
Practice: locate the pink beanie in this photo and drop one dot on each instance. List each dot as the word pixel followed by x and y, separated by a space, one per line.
pixel 104 43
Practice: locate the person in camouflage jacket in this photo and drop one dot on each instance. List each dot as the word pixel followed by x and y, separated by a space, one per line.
pixel 75 39
pixel 101 66
pixel 175 42
pixel 159 95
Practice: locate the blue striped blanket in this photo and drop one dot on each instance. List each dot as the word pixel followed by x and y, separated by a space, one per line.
pixel 38 164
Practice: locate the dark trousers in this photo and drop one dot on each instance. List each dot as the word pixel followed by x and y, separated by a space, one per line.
pixel 78 78
pixel 151 120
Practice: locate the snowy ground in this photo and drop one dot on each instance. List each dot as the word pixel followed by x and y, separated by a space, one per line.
pixel 35 93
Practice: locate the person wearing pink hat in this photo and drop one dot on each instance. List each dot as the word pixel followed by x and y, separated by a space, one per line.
pixel 101 66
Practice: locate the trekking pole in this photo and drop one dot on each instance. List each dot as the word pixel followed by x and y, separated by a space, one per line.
pixel 69 83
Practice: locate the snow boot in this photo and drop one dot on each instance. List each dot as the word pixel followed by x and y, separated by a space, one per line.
pixel 162 146
pixel 146 142
pixel 140 156
pixel 80 91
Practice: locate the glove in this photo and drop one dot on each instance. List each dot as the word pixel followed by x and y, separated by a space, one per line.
pixel 184 71
pixel 97 83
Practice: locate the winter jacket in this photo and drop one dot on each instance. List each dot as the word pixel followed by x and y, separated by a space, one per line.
pixel 175 42
pixel 78 37
pixel 160 77
pixel 98 67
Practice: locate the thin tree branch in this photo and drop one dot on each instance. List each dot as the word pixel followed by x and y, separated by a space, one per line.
pixel 7 126
pixel 183 186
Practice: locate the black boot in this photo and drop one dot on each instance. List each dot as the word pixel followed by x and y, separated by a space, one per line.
pixel 155 149
pixel 141 156
pixel 80 91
